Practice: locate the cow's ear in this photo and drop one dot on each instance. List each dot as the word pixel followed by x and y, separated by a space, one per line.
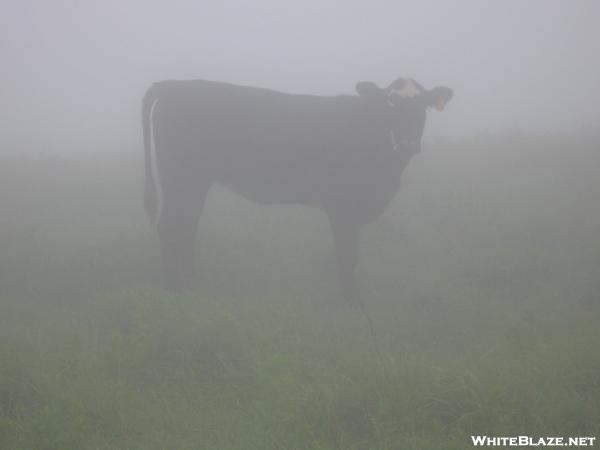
pixel 367 89
pixel 438 97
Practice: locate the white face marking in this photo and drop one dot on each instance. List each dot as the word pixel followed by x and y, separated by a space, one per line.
pixel 410 89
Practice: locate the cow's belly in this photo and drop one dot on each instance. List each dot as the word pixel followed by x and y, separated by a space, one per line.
pixel 362 192
pixel 266 185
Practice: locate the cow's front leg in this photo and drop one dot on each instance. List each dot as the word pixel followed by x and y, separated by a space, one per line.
pixel 345 241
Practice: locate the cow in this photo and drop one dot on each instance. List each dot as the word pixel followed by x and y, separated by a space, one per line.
pixel 343 154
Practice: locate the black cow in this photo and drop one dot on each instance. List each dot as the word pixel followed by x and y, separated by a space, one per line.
pixel 344 154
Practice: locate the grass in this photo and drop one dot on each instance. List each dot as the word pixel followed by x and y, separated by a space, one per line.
pixel 481 279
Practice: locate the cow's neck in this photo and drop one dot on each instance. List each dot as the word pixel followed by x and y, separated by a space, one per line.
pixel 397 144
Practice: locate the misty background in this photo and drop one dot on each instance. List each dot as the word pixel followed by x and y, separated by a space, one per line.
pixel 73 73
pixel 481 280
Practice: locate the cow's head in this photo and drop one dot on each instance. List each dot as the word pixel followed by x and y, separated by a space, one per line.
pixel 407 102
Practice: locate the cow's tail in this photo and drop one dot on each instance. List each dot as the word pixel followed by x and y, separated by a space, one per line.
pixel 150 188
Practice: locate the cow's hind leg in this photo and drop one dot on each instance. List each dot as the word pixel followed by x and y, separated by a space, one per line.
pixel 345 240
pixel 183 198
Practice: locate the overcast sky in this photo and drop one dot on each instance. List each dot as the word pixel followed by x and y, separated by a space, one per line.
pixel 73 72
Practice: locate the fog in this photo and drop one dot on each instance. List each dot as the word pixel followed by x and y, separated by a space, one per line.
pixel 435 292
pixel 73 73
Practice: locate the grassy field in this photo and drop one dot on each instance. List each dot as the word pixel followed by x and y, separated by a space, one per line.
pixel 482 280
